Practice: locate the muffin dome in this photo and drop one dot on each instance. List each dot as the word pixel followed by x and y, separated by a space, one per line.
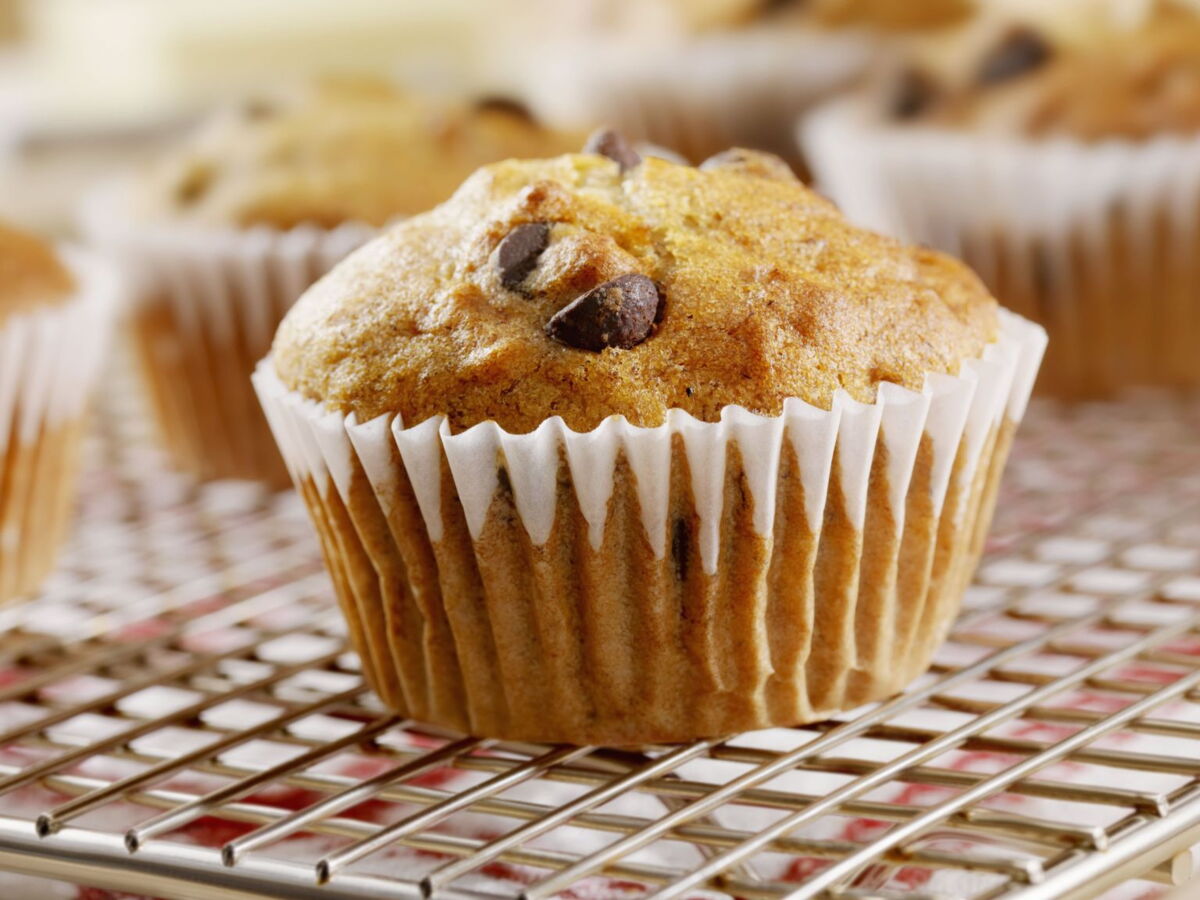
pixel 31 273
pixel 338 152
pixel 582 287
pixel 1086 77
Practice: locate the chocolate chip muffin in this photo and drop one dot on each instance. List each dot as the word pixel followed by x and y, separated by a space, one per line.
pixel 344 151
pixel 615 450
pixel 230 227
pixel 1071 148
pixel 54 319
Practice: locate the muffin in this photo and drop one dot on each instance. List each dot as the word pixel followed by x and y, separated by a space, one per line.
pixel 54 321
pixel 609 450
pixel 1058 152
pixel 695 77
pixel 224 234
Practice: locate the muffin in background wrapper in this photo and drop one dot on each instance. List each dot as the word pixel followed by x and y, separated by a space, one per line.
pixel 222 237
pixel 594 542
pixel 1068 178
pixel 701 77
pixel 52 347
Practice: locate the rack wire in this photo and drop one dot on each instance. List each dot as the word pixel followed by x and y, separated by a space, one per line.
pixel 180 716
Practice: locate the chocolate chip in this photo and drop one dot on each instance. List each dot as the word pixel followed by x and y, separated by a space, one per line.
pixel 508 106
pixel 1021 51
pixel 518 253
pixel 750 162
pixel 606 142
pixel 619 313
pixel 680 543
pixel 912 94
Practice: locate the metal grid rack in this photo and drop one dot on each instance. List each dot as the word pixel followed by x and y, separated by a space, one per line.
pixel 181 717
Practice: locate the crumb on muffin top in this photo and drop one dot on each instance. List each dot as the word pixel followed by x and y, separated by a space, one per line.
pixel 1086 76
pixel 31 273
pixel 590 285
pixel 339 151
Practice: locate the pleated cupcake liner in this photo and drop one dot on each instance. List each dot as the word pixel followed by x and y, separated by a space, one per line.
pixel 629 585
pixel 51 359
pixel 1096 241
pixel 204 306
pixel 697 95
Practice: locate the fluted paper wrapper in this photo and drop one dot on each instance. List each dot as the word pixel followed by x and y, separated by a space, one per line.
pixel 1097 241
pixel 205 306
pixel 630 585
pixel 697 95
pixel 50 362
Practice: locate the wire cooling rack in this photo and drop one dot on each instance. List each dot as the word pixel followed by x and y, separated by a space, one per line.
pixel 181 717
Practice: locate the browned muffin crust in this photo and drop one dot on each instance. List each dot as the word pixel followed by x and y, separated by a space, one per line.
pixel 338 152
pixel 31 273
pixel 766 293
pixel 1131 83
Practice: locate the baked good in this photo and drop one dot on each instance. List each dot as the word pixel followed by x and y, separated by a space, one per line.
pixel 616 450
pixel 54 319
pixel 1060 156
pixel 342 151
pixel 228 229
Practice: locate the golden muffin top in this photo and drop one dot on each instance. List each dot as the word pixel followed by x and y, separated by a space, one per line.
pixel 1092 75
pixel 600 283
pixel 31 274
pixel 338 152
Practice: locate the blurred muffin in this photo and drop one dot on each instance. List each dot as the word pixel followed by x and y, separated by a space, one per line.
pixel 696 77
pixel 224 234
pixel 54 323
pixel 611 450
pixel 1058 152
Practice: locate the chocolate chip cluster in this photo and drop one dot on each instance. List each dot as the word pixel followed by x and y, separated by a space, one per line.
pixel 622 312
pixel 1019 51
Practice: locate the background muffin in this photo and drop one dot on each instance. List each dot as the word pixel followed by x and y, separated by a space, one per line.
pixel 224 234
pixel 599 449
pixel 1060 155
pixel 54 319
pixel 695 78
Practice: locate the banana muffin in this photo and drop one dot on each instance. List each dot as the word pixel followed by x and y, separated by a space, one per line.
pixel 226 231
pixel 615 450
pixel 1058 151
pixel 54 320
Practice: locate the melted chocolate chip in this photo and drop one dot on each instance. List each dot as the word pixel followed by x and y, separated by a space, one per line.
pixel 519 252
pixel 1021 51
pixel 606 142
pixel 913 93
pixel 508 106
pixel 750 162
pixel 619 313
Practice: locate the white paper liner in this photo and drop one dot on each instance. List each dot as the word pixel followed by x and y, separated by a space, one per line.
pixel 950 411
pixel 225 292
pixel 198 269
pixel 698 94
pixel 51 357
pixel 923 183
